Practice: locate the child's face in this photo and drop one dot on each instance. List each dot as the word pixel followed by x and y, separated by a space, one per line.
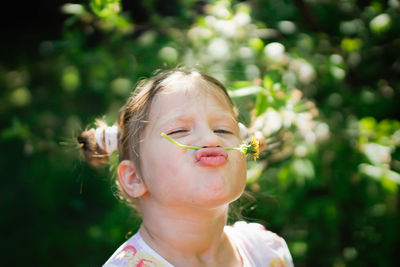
pixel 199 116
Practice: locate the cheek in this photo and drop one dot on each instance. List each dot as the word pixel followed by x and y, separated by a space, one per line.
pixel 242 171
pixel 239 163
pixel 239 173
pixel 161 169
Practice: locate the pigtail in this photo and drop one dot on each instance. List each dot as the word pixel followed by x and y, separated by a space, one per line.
pixel 97 144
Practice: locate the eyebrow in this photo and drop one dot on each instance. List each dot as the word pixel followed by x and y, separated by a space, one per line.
pixel 180 118
pixel 177 119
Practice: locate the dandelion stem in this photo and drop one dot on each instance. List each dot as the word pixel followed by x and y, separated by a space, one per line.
pixel 232 148
pixel 245 149
pixel 179 144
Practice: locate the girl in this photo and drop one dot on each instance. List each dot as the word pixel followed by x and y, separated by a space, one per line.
pixel 182 194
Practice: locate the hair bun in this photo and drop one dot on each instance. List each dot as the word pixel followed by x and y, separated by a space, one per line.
pixel 97 144
pixel 107 138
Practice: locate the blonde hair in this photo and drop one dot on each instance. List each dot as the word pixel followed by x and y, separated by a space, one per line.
pixel 133 118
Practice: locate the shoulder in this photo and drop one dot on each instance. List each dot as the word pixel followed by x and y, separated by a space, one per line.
pixel 135 252
pixel 123 254
pixel 259 244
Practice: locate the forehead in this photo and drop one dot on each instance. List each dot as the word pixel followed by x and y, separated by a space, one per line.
pixel 182 92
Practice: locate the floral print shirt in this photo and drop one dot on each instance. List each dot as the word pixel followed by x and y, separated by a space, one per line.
pixel 256 246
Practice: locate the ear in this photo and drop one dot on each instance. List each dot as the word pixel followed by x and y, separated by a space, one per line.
pixel 129 179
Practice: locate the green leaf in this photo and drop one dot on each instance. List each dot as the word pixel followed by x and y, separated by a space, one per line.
pixel 16 130
pixel 261 102
pixel 240 84
pixel 268 82
pixel 246 91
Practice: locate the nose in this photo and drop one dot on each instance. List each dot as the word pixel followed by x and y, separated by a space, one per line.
pixel 208 138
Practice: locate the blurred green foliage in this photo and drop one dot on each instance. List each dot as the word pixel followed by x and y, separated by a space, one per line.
pixel 320 80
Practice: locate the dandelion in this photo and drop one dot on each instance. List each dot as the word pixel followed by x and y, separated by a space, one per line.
pixel 251 148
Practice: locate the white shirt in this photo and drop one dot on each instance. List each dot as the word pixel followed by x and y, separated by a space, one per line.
pixel 256 246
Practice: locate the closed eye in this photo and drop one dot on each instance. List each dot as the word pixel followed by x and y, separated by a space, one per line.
pixel 178 131
pixel 222 131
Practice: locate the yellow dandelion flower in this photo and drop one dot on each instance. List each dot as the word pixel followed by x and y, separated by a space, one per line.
pixel 255 148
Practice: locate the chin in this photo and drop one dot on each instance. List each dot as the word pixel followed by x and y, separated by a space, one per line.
pixel 216 198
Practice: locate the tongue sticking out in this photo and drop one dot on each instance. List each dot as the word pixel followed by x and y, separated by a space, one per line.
pixel 211 156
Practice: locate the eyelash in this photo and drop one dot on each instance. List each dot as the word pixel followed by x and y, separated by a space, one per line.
pixel 220 131
pixel 178 131
pixel 223 131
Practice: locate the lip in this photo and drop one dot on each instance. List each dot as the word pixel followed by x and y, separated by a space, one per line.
pixel 211 156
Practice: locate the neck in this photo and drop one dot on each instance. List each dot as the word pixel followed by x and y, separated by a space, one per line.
pixel 187 235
